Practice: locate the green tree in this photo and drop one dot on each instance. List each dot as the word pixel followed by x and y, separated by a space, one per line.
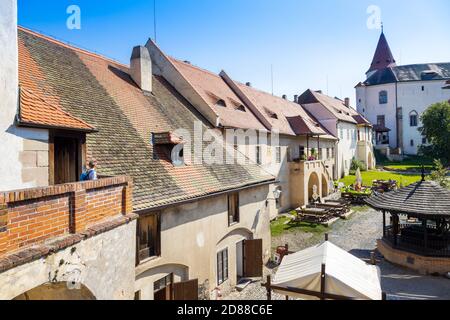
pixel 436 128
pixel 440 174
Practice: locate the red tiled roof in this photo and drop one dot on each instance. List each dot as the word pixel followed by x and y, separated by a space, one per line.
pixel 101 92
pixel 213 90
pixel 36 112
pixel 291 118
pixel 383 57
pixel 337 107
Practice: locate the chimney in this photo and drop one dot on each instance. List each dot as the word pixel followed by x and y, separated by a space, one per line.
pixel 347 102
pixel 141 68
pixel 248 84
pixel 284 97
pixel 296 98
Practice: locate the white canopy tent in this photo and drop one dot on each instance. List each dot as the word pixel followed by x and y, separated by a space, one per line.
pixel 345 275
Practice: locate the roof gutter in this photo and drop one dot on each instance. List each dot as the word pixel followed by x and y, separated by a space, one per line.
pixel 21 123
pixel 205 197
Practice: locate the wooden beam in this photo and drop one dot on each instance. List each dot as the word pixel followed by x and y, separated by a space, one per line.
pixel 310 293
pixel 373 260
pixel 269 288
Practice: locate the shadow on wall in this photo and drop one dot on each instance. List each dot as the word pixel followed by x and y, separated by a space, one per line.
pixel 58 291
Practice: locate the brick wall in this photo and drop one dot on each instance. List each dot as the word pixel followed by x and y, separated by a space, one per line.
pixel 32 216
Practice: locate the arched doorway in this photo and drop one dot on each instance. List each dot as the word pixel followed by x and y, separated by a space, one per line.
pixel 313 181
pixel 325 191
pixel 57 291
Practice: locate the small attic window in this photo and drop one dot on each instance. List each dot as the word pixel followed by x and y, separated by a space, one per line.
pixel 271 114
pixel 221 103
pixel 241 108
pixel 169 147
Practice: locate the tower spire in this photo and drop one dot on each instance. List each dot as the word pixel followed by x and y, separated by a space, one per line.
pixel 383 57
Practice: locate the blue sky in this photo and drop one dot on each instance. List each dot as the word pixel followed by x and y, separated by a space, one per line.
pixel 321 44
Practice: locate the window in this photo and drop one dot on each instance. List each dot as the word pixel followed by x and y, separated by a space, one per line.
pixel 278 154
pixel 233 208
pixel 413 116
pixel 288 154
pixel 162 283
pixel 301 151
pixel 348 134
pixel 381 121
pixel 341 133
pixel 258 155
pixel 149 236
pixel 412 143
pixel 383 97
pixel 424 140
pixel 221 103
pixel 222 266
pixel 241 108
pixel 423 88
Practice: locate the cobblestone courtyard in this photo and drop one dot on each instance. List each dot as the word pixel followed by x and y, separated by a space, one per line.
pixel 358 236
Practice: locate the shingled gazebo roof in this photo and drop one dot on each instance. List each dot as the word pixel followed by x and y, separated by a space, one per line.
pixel 424 198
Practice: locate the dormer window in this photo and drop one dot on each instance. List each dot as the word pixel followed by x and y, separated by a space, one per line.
pixel 383 97
pixel 221 103
pixel 241 108
pixel 271 114
pixel 168 146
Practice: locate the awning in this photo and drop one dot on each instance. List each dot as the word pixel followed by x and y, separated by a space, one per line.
pixel 346 275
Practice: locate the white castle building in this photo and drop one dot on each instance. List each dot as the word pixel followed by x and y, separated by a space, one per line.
pixel 394 97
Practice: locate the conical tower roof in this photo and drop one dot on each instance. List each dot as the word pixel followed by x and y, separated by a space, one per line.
pixel 383 57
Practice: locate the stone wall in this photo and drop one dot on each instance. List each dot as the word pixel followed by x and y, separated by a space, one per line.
pixel 103 265
pixel 421 264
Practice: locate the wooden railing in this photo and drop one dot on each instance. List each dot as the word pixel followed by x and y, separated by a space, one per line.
pixel 412 239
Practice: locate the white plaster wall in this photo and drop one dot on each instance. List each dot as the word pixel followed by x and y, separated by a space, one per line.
pixel 104 264
pixel 346 149
pixel 193 234
pixel 10 144
pixel 16 162
pixel 370 107
pixel 412 98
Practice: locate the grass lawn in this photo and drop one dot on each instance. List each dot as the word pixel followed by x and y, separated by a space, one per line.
pixel 279 227
pixel 409 164
pixel 369 176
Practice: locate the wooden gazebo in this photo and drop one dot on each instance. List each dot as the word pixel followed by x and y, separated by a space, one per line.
pixel 419 220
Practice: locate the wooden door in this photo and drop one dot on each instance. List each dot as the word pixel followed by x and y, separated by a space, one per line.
pixel 185 290
pixel 253 258
pixel 163 294
pixel 66 160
